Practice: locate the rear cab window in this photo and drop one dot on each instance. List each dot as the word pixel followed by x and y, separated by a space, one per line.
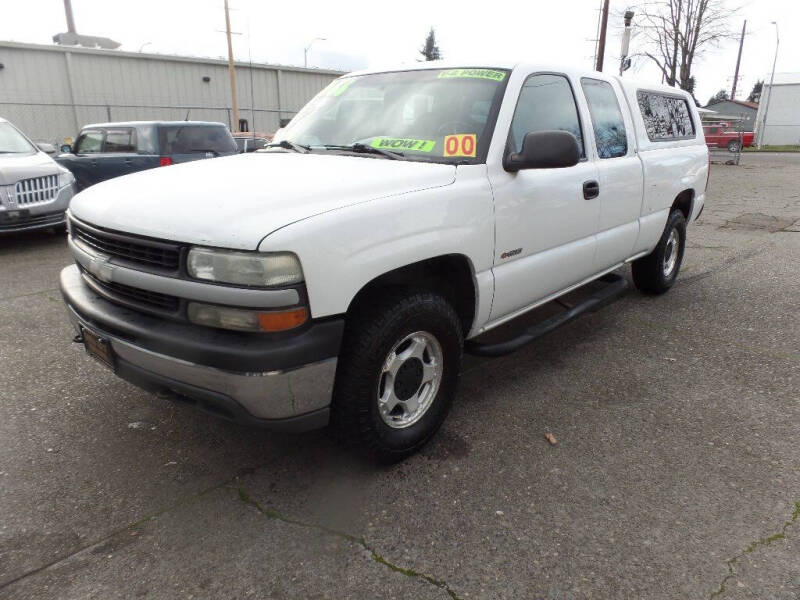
pixel 666 117
pixel 546 102
pixel 608 125
pixel 194 139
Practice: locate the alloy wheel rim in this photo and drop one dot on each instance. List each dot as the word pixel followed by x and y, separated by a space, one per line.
pixel 409 380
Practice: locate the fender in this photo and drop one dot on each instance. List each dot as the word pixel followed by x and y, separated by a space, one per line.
pixel 343 250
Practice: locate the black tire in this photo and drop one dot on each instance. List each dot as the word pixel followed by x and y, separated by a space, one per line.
pixel 370 337
pixel 733 146
pixel 649 271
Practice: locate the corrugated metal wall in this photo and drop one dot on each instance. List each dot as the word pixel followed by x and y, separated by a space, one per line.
pixel 783 117
pixel 50 92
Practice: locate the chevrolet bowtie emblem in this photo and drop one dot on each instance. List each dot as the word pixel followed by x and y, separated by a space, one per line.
pixel 101 269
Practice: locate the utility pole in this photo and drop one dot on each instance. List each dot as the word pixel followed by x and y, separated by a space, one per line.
pixel 231 71
pixel 601 45
pixel 70 18
pixel 307 48
pixel 738 61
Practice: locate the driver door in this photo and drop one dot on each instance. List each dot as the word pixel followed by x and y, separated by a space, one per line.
pixel 546 219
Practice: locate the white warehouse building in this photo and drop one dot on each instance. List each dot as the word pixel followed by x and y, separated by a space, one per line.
pixel 782 107
pixel 50 92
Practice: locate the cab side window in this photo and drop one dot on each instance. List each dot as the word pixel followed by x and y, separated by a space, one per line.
pixel 545 103
pixel 120 140
pixel 607 123
pixel 89 142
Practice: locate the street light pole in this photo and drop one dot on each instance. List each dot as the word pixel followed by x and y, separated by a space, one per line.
pixel 624 61
pixel 771 88
pixel 231 71
pixel 307 48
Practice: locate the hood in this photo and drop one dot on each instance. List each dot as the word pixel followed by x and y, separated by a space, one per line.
pixel 233 202
pixel 14 167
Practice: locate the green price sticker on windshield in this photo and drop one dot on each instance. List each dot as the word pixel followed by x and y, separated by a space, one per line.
pixel 403 144
pixel 473 74
pixel 343 85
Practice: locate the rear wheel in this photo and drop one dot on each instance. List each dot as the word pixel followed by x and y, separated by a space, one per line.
pixel 657 272
pixel 398 372
pixel 734 146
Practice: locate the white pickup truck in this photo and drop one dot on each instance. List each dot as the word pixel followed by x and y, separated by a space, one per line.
pixel 336 275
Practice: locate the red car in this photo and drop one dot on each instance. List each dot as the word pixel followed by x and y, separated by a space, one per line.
pixel 721 135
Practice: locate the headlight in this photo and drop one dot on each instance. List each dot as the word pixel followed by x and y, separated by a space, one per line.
pixel 241 319
pixel 65 177
pixel 244 268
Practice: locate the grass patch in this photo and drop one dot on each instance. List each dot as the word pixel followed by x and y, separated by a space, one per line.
pixel 784 148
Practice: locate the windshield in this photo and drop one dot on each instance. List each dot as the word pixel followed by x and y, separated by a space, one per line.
pixel 438 115
pixel 12 141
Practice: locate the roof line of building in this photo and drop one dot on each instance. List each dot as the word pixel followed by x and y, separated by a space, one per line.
pixel 162 57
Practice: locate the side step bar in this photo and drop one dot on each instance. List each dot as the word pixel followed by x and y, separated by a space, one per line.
pixel 616 284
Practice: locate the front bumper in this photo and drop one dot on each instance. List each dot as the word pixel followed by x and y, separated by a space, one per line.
pixel 37 216
pixel 279 383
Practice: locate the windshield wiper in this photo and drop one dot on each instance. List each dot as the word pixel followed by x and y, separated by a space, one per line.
pixel 286 144
pixel 364 149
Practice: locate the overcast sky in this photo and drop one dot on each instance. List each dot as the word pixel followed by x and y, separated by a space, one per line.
pixel 374 33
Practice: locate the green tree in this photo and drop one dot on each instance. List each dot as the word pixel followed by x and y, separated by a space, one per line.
pixel 755 94
pixel 689 85
pixel 720 96
pixel 431 49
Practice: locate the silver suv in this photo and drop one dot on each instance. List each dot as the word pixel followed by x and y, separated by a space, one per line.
pixel 34 190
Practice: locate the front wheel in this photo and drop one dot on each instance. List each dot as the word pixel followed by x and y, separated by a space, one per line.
pixel 734 146
pixel 398 372
pixel 657 272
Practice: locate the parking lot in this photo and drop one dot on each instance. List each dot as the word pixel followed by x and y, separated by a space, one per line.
pixel 676 473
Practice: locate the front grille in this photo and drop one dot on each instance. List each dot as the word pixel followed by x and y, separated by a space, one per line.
pixel 36 190
pixel 125 294
pixel 151 253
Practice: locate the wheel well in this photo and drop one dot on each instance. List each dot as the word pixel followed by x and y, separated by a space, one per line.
pixel 684 203
pixel 449 275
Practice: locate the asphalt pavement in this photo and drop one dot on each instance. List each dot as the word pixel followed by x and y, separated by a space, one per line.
pixel 676 473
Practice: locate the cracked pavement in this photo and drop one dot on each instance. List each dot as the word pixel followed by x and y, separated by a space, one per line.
pixel 676 475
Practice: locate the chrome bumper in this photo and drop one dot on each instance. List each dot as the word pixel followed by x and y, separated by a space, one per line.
pixel 296 399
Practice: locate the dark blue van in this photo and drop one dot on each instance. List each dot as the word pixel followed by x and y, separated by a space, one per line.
pixel 106 150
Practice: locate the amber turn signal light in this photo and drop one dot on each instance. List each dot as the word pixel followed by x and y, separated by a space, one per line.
pixel 283 320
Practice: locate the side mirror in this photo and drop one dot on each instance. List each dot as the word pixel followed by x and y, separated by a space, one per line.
pixel 545 150
pixel 66 148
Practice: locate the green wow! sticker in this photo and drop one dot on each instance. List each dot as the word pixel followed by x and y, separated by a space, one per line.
pixel 473 74
pixel 403 144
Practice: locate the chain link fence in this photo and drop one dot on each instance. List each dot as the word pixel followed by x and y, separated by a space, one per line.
pixel 58 123
pixel 727 151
